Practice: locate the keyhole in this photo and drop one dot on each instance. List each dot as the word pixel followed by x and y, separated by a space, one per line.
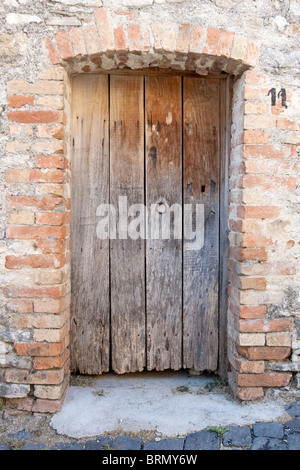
pixel 161 208
pixel 203 189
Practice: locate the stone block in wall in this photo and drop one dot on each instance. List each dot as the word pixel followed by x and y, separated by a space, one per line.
pixel 137 3
pixel 14 335
pixel 12 360
pixel 12 45
pixel 21 19
pixel 82 3
pixel 14 390
pixel 284 366
pixel 63 21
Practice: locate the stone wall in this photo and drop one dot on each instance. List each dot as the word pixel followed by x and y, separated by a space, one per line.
pixel 41 44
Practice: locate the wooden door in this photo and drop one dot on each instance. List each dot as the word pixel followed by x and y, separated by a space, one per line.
pixel 145 302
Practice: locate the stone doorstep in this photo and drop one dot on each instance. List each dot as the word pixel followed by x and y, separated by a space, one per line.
pixel 259 436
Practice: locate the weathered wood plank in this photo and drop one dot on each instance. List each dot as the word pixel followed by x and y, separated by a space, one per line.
pixel 163 256
pixel 127 255
pixel 90 256
pixel 201 186
pixel 225 128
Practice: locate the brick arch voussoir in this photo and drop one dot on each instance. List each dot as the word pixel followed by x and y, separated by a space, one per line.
pixel 100 45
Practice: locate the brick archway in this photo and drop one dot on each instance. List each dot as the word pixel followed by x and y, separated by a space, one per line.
pixel 135 46
pixel 43 303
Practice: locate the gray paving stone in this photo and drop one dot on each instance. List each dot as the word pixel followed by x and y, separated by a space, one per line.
pixel 32 446
pixel 4 447
pixel 127 443
pixel 237 436
pixel 294 409
pixel 293 441
pixel 22 435
pixel 98 444
pixel 268 430
pixel 165 444
pixel 67 446
pixel 267 443
pixel 203 440
pixel 292 426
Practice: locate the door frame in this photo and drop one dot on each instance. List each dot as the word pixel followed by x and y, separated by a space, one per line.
pixel 225 99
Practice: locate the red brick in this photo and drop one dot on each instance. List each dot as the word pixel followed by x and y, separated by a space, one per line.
pixel 51 246
pixel 19 306
pixel 286 124
pixel 31 233
pixel 23 202
pixel 253 93
pixel 241 254
pixel 21 404
pixel 169 41
pixel 43 87
pixel 279 339
pixel 245 282
pixel 253 50
pixel 255 137
pixel 134 37
pixel 254 78
pixel 40 350
pixel 104 30
pixel 263 380
pixel 51 335
pixel 253 311
pixel 34 261
pixel 120 39
pixel 47 406
pixel 244 366
pixel 267 151
pixel 34 377
pixel 183 38
pixel 50 218
pixel 92 41
pixel 259 122
pixel 34 116
pixel 271 183
pixel 51 306
pixel 47 176
pixel 157 32
pixel 254 241
pixel 64 46
pixel 50 161
pixel 267 353
pixel 47 363
pixel 249 393
pixel 23 321
pixel 53 292
pixel 256 107
pixel 17 175
pixel 77 42
pixel 225 43
pixel 50 131
pixel 18 101
pixel 258 212
pixel 212 41
pixel 52 53
pixel 197 39
pixel 257 326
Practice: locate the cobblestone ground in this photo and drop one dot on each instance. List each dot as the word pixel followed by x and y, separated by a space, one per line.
pixel 35 433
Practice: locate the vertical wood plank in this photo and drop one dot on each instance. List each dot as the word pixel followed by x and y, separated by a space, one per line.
pixel 90 256
pixel 201 186
pixel 225 128
pixel 163 257
pixel 127 255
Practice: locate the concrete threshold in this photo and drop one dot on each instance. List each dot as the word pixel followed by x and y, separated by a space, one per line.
pixel 170 403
